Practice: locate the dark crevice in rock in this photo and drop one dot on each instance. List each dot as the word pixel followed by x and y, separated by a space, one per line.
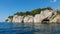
pixel 45 21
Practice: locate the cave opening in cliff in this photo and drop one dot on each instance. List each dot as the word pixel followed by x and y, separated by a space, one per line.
pixel 45 21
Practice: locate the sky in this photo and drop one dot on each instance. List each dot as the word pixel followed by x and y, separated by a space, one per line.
pixel 9 7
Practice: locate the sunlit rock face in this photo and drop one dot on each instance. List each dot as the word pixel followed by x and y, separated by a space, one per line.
pixel 20 19
pixel 17 19
pixel 44 14
pixel 28 19
pixel 38 18
pixel 56 19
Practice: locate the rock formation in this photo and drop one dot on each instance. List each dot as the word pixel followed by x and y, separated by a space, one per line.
pixel 44 14
pixel 38 18
pixel 17 19
pixel 28 19
pixel 56 19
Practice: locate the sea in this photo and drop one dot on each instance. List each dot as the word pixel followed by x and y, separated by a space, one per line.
pixel 28 28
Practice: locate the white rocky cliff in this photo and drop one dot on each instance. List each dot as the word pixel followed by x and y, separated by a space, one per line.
pixel 36 19
pixel 56 19
pixel 17 19
pixel 44 14
pixel 28 19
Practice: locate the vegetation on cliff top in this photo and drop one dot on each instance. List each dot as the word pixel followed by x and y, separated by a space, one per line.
pixel 33 12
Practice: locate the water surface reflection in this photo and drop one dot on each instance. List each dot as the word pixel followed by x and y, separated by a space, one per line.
pixel 29 28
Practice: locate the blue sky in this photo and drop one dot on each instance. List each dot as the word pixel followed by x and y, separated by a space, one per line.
pixel 9 7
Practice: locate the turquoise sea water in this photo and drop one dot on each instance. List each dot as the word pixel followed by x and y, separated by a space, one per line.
pixel 29 28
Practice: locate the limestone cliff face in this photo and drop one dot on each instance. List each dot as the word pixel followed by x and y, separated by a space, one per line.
pixel 28 19
pixel 56 19
pixel 38 18
pixel 17 19
pixel 44 14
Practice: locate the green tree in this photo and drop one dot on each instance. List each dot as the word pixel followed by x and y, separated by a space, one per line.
pixel 36 11
pixel 10 17
pixel 48 8
pixel 26 13
pixel 19 13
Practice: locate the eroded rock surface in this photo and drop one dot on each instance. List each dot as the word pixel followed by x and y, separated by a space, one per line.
pixel 28 19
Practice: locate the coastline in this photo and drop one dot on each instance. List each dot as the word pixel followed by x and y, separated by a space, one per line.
pixel 44 17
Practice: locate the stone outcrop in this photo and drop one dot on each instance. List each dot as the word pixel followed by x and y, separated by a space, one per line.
pixel 28 19
pixel 44 14
pixel 56 19
pixel 17 19
pixel 38 18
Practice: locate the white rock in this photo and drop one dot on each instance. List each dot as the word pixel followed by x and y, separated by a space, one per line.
pixel 20 19
pixel 17 19
pixel 44 14
pixel 38 18
pixel 28 19
pixel 56 19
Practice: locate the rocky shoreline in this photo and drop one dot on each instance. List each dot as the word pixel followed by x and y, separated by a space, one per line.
pixel 50 16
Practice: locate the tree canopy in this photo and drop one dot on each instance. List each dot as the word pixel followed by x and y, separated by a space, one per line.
pixel 33 12
pixel 10 17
